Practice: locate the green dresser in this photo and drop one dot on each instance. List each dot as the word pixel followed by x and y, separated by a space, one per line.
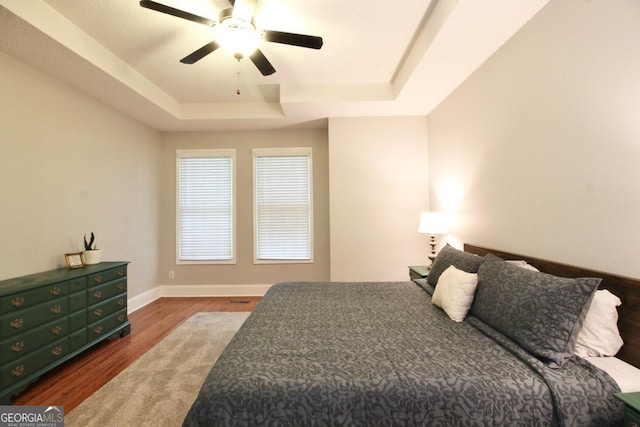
pixel 47 318
pixel 631 409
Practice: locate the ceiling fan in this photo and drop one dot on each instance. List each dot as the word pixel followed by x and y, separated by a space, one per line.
pixel 237 34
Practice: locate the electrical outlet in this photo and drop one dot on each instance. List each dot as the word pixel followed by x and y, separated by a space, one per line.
pixel 172 274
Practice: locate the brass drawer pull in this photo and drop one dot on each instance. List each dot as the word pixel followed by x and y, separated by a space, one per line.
pixel 19 370
pixel 97 312
pixel 120 273
pixel 120 317
pixel 17 324
pixel 97 279
pixel 120 286
pixel 17 347
pixel 97 329
pixel 120 302
pixel 56 309
pixel 57 330
pixel 17 302
pixel 57 351
pixel 55 291
pixel 97 294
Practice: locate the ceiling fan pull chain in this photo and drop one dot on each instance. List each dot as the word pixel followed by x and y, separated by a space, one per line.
pixel 238 79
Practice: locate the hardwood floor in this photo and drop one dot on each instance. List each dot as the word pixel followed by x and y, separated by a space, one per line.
pixel 72 382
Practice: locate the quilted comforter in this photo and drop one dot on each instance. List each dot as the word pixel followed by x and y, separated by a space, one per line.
pixel 380 354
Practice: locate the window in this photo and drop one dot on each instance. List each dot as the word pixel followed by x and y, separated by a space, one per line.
pixel 205 206
pixel 283 205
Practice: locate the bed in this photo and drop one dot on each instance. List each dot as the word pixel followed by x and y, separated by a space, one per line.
pixel 366 354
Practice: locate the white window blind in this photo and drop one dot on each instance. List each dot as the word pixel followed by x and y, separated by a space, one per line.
pixel 206 205
pixel 283 205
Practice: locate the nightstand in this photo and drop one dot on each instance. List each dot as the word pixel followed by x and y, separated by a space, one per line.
pixel 418 272
pixel 631 408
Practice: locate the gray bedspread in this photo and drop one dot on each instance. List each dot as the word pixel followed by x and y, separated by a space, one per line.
pixel 380 354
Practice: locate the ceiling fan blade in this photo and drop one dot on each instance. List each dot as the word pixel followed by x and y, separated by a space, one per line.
pixel 200 53
pixel 262 63
pixel 176 12
pixel 293 39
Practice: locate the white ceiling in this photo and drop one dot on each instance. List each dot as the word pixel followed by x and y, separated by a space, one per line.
pixel 377 59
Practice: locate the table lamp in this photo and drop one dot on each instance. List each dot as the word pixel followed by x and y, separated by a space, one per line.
pixel 433 223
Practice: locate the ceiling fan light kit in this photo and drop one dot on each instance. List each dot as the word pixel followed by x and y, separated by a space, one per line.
pixel 237 35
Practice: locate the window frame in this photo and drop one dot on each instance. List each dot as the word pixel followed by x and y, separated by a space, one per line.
pixel 207 153
pixel 283 152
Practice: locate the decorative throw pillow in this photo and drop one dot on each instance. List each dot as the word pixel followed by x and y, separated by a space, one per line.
pixel 454 293
pixel 541 312
pixel 599 335
pixel 449 256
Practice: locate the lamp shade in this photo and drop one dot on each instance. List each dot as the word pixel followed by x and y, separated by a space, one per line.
pixel 433 223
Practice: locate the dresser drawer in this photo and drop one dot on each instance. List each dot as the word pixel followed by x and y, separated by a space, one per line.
pixel 49 332
pixel 77 285
pixel 15 347
pixel 25 299
pixel 104 309
pixel 106 276
pixel 20 345
pixel 631 418
pixel 106 325
pixel 14 371
pixel 77 301
pixel 103 292
pixel 77 320
pixel 15 323
pixel 78 339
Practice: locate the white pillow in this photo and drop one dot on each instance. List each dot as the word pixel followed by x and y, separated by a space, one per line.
pixel 599 335
pixel 454 292
pixel 522 264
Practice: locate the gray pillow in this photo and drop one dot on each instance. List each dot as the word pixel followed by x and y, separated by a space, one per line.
pixel 541 312
pixel 449 256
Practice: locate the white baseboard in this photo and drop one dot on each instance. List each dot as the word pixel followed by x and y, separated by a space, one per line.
pixel 143 299
pixel 177 291
pixel 213 290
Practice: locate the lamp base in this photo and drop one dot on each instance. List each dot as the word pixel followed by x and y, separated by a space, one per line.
pixel 432 243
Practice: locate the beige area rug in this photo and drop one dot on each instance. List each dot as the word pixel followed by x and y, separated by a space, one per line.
pixel 159 388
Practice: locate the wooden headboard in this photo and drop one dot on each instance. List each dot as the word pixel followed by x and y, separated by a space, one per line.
pixel 628 290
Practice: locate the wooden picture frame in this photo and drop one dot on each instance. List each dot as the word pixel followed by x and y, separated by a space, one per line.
pixel 74 260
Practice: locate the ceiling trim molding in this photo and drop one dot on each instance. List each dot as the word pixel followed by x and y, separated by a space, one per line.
pixel 50 22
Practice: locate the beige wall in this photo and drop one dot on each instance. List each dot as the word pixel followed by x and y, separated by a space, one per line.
pixel 379 186
pixel 70 165
pixel 189 279
pixel 538 150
